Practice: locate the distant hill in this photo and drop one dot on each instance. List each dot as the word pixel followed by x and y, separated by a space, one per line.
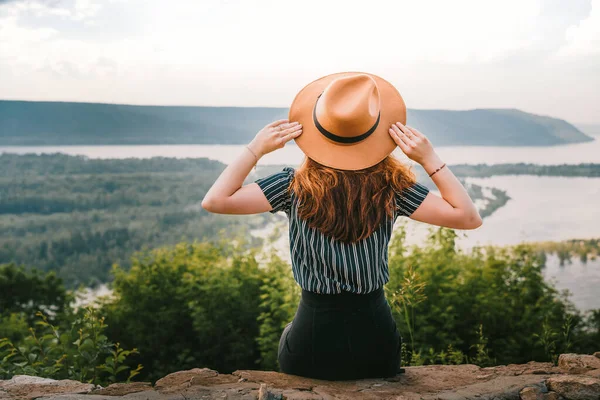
pixel 63 123
pixel 589 129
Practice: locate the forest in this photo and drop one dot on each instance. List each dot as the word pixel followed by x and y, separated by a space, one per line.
pixel 77 216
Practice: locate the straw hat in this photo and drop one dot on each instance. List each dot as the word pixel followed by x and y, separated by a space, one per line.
pixel 345 119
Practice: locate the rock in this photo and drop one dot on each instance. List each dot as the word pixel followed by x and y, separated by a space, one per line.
pixel 265 394
pixel 532 367
pixel 277 379
pixel 597 354
pixel 552 396
pixel 529 381
pixel 531 393
pixel 193 377
pixel 594 372
pixel 575 387
pixel 540 368
pixel 121 389
pixel 24 387
pixel 26 380
pixel 299 395
pixel 500 388
pixel 578 363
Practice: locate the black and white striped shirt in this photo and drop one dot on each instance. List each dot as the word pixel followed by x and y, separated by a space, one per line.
pixel 322 264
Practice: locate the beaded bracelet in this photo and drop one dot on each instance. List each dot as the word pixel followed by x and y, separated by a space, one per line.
pixel 437 170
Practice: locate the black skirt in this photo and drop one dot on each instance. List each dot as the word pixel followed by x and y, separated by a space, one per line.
pixel 340 337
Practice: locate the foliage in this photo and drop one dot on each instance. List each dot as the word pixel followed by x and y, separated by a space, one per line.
pixel 13 326
pixel 280 296
pixel 82 352
pixel 189 305
pixel 407 297
pixel 222 306
pixel 25 291
pixel 492 303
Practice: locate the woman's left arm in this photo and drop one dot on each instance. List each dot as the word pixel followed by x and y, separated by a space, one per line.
pixel 227 195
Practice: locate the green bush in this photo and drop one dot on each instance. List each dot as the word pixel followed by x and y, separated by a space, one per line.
pixel 492 303
pixel 279 297
pixel 187 306
pixel 26 291
pixel 82 353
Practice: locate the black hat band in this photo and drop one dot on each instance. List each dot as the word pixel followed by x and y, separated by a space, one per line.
pixel 342 139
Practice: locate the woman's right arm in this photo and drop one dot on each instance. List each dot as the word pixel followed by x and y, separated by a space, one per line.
pixel 454 209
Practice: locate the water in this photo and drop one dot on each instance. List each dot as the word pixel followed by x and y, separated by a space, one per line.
pixel 588 152
pixel 541 208
pixel 581 280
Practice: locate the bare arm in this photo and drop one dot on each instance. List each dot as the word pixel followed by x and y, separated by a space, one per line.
pixel 227 195
pixel 454 209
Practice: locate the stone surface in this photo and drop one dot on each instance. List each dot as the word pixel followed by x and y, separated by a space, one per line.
pixel 552 396
pixel 532 367
pixel 531 381
pixel 24 387
pixel 531 393
pixel 121 389
pixel 578 363
pixel 194 377
pixel 594 372
pixel 575 387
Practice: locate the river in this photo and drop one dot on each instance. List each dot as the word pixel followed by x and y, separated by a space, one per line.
pixel 588 152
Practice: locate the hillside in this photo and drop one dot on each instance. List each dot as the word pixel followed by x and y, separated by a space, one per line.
pixel 63 123
pixel 589 129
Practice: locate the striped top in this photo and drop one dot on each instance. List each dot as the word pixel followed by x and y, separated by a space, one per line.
pixel 322 264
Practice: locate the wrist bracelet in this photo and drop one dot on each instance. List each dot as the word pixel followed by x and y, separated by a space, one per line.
pixel 430 175
pixel 255 156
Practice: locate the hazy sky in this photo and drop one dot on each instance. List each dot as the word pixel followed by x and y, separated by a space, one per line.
pixel 541 56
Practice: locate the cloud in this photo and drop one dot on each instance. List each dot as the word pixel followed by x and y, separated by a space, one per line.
pixel 28 47
pixel 77 10
pixel 584 38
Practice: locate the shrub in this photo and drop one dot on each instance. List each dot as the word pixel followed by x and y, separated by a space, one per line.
pixel 82 353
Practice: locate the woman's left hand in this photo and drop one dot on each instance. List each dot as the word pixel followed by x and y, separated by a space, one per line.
pixel 274 136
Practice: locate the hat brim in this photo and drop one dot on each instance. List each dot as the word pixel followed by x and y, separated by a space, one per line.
pixel 361 155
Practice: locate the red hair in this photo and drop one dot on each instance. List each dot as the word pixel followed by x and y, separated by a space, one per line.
pixel 349 205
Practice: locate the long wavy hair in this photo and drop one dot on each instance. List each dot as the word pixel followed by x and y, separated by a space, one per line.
pixel 349 205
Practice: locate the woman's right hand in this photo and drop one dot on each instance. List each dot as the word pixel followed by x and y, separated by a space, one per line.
pixel 412 142
pixel 274 136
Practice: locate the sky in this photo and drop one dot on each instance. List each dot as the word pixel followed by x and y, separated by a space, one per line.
pixel 540 56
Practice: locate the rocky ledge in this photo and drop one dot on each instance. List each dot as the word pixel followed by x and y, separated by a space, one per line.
pixel 577 376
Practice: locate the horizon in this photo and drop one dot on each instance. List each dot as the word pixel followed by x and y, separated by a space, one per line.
pixel 538 56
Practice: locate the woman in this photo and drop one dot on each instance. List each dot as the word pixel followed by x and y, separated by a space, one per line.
pixel 342 203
